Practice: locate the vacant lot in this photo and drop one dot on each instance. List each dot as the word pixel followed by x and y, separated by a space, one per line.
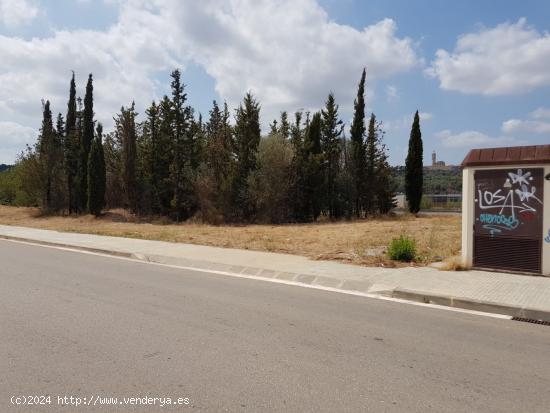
pixel 358 242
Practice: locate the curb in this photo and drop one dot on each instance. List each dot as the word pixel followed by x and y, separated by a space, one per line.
pixel 70 246
pixel 323 282
pixel 472 304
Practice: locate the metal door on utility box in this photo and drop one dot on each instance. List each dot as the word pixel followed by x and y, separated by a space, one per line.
pixel 508 219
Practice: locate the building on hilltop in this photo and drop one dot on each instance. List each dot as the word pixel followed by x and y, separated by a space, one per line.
pixel 438 164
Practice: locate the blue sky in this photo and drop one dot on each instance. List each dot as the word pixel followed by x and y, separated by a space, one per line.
pixel 477 73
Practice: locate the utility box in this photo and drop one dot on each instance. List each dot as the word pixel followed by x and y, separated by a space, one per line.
pixel 506 209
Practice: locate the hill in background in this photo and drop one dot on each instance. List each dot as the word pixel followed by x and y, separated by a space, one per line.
pixel 436 181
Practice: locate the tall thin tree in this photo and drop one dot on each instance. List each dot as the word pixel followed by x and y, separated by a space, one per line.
pixel 357 143
pixel 96 174
pixel 71 149
pixel 87 137
pixel 331 131
pixel 414 167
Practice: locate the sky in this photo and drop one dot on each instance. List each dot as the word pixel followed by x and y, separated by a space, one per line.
pixel 477 71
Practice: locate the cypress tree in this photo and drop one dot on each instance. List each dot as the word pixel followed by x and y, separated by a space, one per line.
pixel 150 165
pixel 46 143
pixel 414 167
pixel 86 142
pixel 71 148
pixel 247 139
pixel 371 159
pixel 332 128
pixel 96 174
pixel 357 143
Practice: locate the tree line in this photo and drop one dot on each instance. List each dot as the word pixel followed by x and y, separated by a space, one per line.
pixel 221 170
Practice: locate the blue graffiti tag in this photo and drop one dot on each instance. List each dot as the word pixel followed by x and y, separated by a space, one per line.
pixel 495 223
pixel 547 238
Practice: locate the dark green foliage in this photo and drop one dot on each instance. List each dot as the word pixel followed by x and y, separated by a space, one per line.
pixel 313 169
pixel 164 155
pixel 297 182
pixel 357 147
pixel 216 173
pixel 50 158
pixel 247 139
pixel 331 131
pixel 174 164
pixel 71 147
pixel 402 249
pixel 96 174
pixel 414 167
pixel 126 137
pixel 182 169
pixel 87 135
pixel 269 183
pixel 371 159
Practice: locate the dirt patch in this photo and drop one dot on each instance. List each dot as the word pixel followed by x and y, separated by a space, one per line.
pixel 361 242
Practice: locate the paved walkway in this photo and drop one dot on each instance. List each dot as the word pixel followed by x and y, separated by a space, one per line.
pixel 507 293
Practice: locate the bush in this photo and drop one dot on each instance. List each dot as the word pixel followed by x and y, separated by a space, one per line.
pixel 402 249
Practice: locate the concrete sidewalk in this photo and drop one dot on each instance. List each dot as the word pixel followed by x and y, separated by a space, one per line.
pixel 515 295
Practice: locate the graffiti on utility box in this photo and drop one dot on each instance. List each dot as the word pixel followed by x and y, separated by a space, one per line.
pixel 509 202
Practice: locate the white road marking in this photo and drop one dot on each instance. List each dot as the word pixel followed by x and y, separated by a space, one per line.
pixel 273 280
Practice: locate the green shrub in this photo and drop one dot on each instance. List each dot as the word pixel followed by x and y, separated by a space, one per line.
pixel 402 249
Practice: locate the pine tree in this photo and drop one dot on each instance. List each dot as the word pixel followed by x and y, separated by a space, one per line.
pixel 313 169
pixel 215 182
pixel 414 167
pixel 284 128
pixel 164 155
pixel 357 146
pixel 247 139
pixel 96 174
pixel 183 202
pixel 332 129
pixel 71 148
pixel 297 184
pixel 86 142
pixel 126 134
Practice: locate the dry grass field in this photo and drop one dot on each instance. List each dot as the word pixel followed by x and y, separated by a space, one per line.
pixel 358 242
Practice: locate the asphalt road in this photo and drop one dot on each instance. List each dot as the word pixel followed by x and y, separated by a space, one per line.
pixel 81 325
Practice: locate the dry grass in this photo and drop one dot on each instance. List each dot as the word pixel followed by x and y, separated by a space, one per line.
pixel 357 242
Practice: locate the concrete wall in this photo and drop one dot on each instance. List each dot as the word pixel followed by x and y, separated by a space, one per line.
pixel 468 196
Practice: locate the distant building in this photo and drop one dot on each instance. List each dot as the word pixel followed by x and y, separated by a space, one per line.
pixel 438 164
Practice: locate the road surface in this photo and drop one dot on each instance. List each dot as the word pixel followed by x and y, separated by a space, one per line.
pixel 94 327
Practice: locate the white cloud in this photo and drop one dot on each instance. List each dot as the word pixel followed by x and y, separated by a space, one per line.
pixel 288 53
pixel 541 113
pixel 471 139
pixel 507 59
pixel 391 93
pixel 13 138
pixel 538 124
pixel 525 126
pixel 14 13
